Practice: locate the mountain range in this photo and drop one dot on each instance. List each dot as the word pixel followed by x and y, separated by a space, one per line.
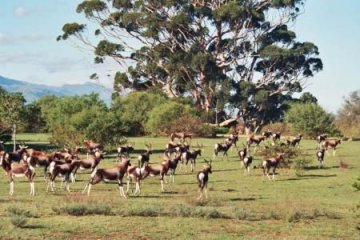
pixel 32 91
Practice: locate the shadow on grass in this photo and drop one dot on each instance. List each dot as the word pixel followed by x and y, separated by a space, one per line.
pixel 243 199
pixel 308 176
pixel 34 226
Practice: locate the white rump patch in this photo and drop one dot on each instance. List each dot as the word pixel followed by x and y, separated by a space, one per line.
pixel 201 177
pixel 18 174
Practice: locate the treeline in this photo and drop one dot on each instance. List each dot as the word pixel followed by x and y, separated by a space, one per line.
pixel 72 119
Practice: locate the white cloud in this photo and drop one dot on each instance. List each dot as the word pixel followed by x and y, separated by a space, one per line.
pixel 20 11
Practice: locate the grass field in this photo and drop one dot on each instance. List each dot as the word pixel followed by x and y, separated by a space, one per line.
pixel 318 204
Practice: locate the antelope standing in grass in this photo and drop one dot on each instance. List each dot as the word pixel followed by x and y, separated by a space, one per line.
pixel 92 146
pixel 202 178
pixel 124 151
pixel 180 135
pixel 18 170
pixel 42 159
pixel 331 143
pixel 320 157
pixel 109 174
pixel 18 155
pixel 256 140
pixel 272 163
pixel 190 156
pixel 145 157
pixel 90 163
pixel 246 162
pixel 65 170
pixel 222 147
pixel 295 141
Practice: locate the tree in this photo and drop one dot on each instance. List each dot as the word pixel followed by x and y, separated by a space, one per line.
pixel 11 111
pixel 311 120
pixel 211 50
pixel 348 116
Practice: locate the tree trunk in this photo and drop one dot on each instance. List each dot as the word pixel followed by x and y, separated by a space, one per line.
pixel 14 137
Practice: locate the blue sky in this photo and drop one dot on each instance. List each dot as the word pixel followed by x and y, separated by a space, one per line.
pixel 29 50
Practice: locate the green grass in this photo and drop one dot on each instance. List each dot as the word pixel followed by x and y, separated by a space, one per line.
pixel 318 204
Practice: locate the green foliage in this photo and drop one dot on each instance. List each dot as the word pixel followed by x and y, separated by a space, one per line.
pixel 135 109
pixel 356 184
pixel 348 116
pixel 311 120
pixel 189 123
pixel 18 221
pixel 161 116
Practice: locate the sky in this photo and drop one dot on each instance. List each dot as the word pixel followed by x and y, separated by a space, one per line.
pixel 29 50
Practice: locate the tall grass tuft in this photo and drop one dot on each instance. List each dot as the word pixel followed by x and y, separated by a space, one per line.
pixel 83 209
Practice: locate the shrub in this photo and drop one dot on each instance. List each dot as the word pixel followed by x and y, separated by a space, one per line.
pixel 189 123
pixel 356 184
pixel 82 210
pixel 21 212
pixel 277 127
pixel 18 221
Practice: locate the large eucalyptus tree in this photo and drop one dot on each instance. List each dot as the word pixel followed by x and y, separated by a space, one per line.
pixel 223 53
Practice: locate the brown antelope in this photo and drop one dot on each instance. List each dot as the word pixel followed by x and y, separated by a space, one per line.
pixel 202 178
pixel 18 155
pixel 232 138
pixel 71 154
pixel 18 170
pixel 42 159
pixel 222 147
pixel 272 163
pixel 246 162
pixel 65 169
pixel 109 174
pixel 276 136
pixel 180 135
pixel 295 141
pixel 190 156
pixel 320 157
pixel 145 157
pixel 267 134
pixel 90 163
pixel 124 151
pixel 256 140
pixel 92 146
pixel 242 152
pixel 331 143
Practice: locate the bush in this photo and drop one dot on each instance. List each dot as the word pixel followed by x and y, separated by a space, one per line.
pixel 82 210
pixel 190 124
pixel 18 221
pixel 162 115
pixel 21 212
pixel 277 127
pixel 356 184
pixel 310 120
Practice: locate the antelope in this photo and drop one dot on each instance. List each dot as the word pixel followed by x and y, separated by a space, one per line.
pixel 18 170
pixel 256 140
pixel 190 156
pixel 246 162
pixel 202 178
pixel 18 155
pixel 42 159
pixel 233 138
pixel 331 144
pixel 91 163
pixel 222 147
pixel 145 157
pixel 320 157
pixel 243 152
pixel 173 147
pixel 321 138
pixel 181 135
pixel 276 136
pixel 109 174
pixel 272 163
pixel 295 141
pixel 70 155
pixel 92 146
pixel 65 170
pixel 125 150
pixel 267 134
pixel 171 165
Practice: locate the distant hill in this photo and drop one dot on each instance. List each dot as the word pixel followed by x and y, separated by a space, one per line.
pixel 33 91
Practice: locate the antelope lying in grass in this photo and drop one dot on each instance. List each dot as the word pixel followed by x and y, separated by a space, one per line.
pixel 109 174
pixel 145 157
pixel 202 178
pixel 320 157
pixel 272 163
pixel 331 144
pixel 18 170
